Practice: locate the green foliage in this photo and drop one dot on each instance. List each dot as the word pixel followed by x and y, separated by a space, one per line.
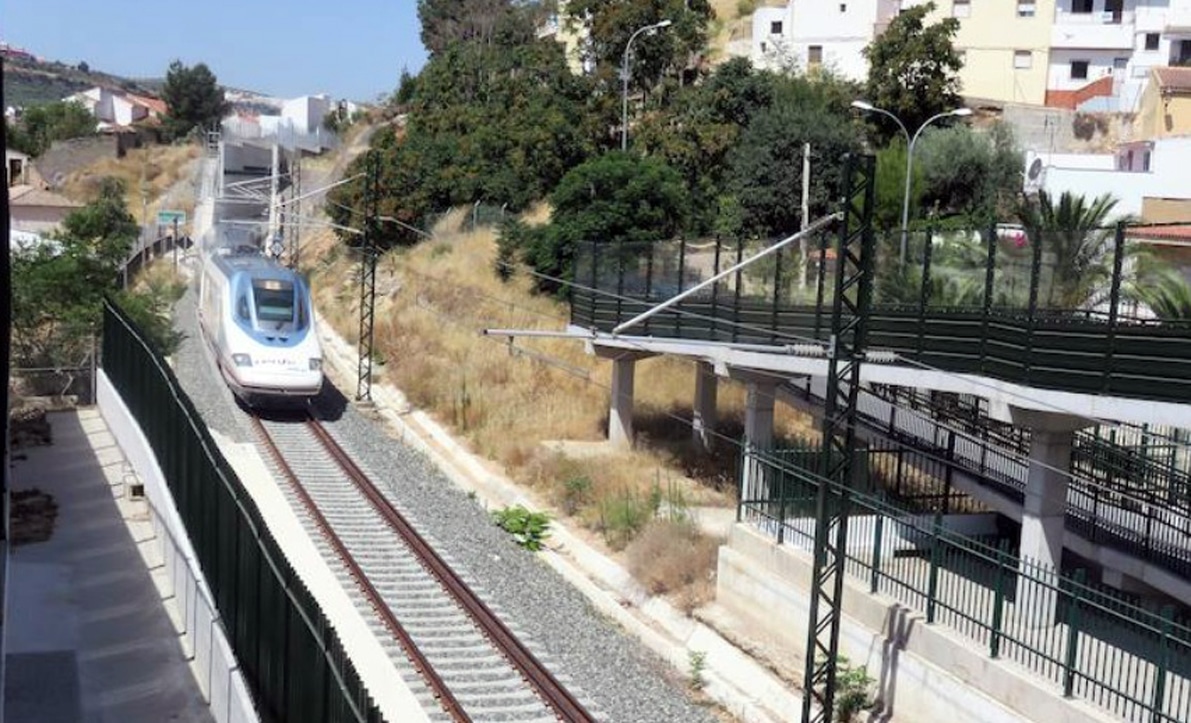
pixel 665 52
pixel 974 176
pixel 913 69
pixel 58 286
pixel 853 690
pixel 193 97
pixel 1160 287
pixel 41 125
pixel 766 164
pixel 468 139
pixel 614 199
pixel 576 493
pixel 1077 246
pixel 697 662
pixel 623 516
pixel 449 22
pixel 529 529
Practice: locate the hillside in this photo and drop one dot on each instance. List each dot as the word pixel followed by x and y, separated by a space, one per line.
pixel 27 82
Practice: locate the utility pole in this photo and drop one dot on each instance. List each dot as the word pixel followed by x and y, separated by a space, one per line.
pixel 849 332
pixel 296 211
pixel 368 278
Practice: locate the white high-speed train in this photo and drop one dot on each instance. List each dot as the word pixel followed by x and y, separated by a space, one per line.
pixel 258 319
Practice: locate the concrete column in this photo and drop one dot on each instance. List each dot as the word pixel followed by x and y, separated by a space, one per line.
pixel 620 413
pixel 758 434
pixel 1044 507
pixel 704 417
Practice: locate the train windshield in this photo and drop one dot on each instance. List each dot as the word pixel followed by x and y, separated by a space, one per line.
pixel 278 302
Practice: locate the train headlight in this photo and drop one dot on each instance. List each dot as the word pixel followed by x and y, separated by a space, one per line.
pixel 242 360
pixel 316 364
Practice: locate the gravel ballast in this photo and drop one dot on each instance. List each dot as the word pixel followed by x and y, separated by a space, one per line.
pixel 617 676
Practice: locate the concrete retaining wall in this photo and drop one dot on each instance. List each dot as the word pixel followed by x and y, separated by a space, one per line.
pixel 203 636
pixel 924 672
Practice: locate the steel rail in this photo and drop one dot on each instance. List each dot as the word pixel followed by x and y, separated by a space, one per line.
pixel 553 693
pixel 423 667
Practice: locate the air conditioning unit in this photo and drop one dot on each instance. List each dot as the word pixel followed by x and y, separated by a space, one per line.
pixel 1035 174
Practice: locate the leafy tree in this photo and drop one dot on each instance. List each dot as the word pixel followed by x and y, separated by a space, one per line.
pixel 698 125
pixel 610 24
pixel 1162 288
pixel 913 69
pixel 446 22
pixel 41 125
pixel 612 200
pixel 1076 246
pixel 971 175
pixel 58 286
pixel 468 137
pixel 193 97
pixel 766 165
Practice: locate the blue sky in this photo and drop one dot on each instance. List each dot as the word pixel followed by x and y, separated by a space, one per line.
pixel 349 48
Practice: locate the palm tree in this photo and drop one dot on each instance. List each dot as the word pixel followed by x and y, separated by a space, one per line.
pixel 1073 233
pixel 1161 288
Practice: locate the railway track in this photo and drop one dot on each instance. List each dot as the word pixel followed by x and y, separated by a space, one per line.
pixel 467 658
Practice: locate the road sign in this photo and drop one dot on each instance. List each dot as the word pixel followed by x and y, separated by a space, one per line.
pixel 165 218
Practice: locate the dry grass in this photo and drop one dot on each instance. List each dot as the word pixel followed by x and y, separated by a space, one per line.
pixel 513 400
pixel 674 558
pixel 160 167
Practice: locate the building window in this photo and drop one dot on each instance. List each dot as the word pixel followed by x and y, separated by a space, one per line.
pixel 1081 6
pixel 1129 161
pixel 1026 8
pixel 1145 162
pixel 1079 70
pixel 1152 41
pixel 961 8
pixel 764 47
pixel 775 27
pixel 843 7
pixel 814 56
pixel 1023 59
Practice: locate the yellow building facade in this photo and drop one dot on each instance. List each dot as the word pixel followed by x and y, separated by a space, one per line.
pixel 1005 45
pixel 1165 105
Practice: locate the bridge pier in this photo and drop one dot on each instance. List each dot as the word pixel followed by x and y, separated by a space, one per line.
pixel 758 432
pixel 620 407
pixel 1044 508
pixel 703 418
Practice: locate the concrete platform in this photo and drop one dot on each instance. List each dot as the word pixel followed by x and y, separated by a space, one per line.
pixel 89 635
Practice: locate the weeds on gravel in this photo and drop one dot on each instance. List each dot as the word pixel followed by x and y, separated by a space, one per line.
pixel 529 529
pixel 697 660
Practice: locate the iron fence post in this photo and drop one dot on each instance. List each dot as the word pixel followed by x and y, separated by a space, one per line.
pixel 932 590
pixel 1032 311
pixel 681 281
pixel 619 280
pixel 1073 621
pixel 990 271
pixel 593 293
pixel 924 292
pixel 1114 302
pixel 777 295
pixel 715 291
pixel 875 580
pixel 998 616
pixel 1161 666
pixel 736 291
pixel 820 284
pixel 950 472
pixel 649 284
pixel 781 507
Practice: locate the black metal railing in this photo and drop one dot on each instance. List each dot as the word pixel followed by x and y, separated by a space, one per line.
pixel 1022 307
pixel 287 649
pixel 1089 641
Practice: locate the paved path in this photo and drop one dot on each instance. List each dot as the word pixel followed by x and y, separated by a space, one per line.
pixel 88 634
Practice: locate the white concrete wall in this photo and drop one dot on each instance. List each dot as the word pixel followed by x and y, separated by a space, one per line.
pixel 306 113
pixel 203 635
pixel 841 34
pixel 923 672
pixel 1100 64
pixel 1167 177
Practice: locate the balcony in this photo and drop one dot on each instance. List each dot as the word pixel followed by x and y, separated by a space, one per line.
pixel 1098 30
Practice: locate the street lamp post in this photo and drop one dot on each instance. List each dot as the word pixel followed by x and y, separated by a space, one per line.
pixel 910 141
pixel 624 76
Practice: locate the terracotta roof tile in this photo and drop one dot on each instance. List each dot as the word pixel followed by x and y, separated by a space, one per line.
pixel 1176 78
pixel 22 195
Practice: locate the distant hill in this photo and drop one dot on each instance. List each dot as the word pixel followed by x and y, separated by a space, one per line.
pixel 29 82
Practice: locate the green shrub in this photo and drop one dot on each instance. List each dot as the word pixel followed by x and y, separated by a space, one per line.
pixel 529 529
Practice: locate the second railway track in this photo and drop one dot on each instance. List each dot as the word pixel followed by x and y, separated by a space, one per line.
pixel 467 658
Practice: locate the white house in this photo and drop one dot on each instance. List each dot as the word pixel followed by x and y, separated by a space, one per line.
pixel 36 210
pixel 117 109
pixel 1136 172
pixel 811 34
pixel 306 113
pixel 1102 50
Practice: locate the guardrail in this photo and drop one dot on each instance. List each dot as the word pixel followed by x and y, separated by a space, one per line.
pixel 1088 642
pixel 990 303
pixel 288 651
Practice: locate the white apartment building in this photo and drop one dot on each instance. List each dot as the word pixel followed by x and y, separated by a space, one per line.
pixel 819 34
